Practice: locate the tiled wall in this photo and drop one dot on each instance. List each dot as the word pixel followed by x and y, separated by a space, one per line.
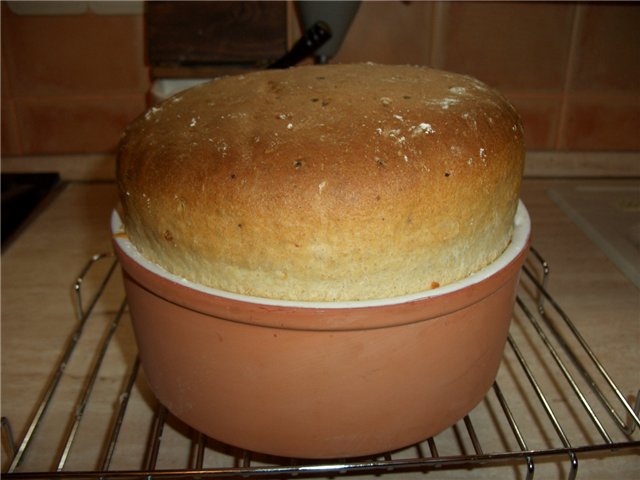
pixel 71 83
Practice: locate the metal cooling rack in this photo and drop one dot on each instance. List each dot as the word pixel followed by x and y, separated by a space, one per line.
pixel 546 359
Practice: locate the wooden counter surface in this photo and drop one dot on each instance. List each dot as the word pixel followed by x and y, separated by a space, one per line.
pixel 39 269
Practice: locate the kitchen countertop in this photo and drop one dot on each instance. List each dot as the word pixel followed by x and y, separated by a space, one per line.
pixel 38 271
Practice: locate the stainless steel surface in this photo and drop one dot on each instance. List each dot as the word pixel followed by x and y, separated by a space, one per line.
pixel 546 358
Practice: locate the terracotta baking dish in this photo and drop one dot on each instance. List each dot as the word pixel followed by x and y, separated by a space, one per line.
pixel 321 380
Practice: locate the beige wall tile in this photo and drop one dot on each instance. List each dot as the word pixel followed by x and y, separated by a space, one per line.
pixel 389 32
pixel 57 55
pixel 76 125
pixel 608 49
pixel 5 86
pixel 540 118
pixel 9 132
pixel 598 123
pixel 510 45
pixel 70 83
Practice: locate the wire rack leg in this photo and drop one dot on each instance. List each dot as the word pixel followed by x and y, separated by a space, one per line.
pixel 7 433
pixel 514 428
pixel 88 389
pixel 200 445
pixel 124 402
pixel 573 473
pixel 565 372
pixel 633 413
pixel 68 350
pixel 155 437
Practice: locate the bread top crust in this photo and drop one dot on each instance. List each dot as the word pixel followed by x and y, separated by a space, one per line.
pixel 322 183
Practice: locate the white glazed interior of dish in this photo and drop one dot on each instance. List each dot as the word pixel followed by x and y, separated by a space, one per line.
pixel 521 231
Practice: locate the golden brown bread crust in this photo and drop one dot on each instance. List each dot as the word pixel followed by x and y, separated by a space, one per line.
pixel 324 183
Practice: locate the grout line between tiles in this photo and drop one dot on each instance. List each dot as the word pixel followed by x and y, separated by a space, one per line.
pixel 436 53
pixel 576 29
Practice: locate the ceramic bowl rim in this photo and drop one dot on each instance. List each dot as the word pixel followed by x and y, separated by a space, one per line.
pixel 519 241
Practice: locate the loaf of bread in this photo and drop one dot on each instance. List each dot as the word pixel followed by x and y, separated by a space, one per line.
pixel 324 183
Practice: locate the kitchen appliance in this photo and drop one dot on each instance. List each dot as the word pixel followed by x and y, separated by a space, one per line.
pixel 338 15
pixel 23 195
